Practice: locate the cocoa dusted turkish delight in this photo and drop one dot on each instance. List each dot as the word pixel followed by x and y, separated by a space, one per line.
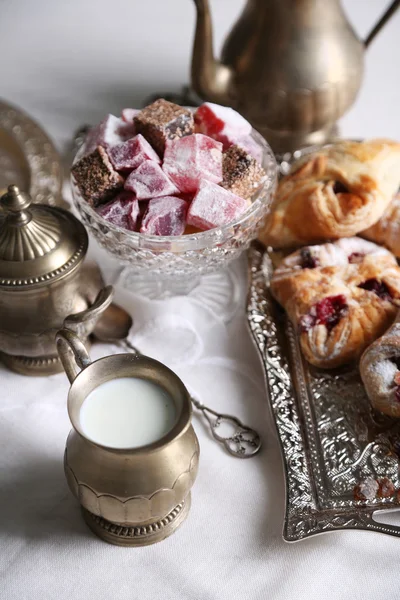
pixel 123 211
pixel 242 175
pixel 96 178
pixel 149 181
pixel 162 121
pixel 109 132
pixel 165 216
pixel 190 159
pixel 131 154
pixel 214 206
pixel 248 144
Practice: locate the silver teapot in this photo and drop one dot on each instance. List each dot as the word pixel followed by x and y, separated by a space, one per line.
pixel 292 67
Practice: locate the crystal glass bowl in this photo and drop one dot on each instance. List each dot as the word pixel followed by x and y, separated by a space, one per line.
pixel 175 264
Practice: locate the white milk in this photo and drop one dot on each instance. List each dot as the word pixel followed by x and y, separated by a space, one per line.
pixel 126 413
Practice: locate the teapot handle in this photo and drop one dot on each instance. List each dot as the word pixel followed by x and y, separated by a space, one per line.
pixel 382 21
pixel 71 350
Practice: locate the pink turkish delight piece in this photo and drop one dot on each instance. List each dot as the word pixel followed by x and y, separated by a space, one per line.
pixel 123 211
pixel 150 181
pixel 131 154
pixel 109 132
pixel 128 114
pixel 227 126
pixel 190 159
pixel 215 120
pixel 214 206
pixel 165 216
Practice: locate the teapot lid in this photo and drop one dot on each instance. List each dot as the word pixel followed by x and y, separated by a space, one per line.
pixel 38 243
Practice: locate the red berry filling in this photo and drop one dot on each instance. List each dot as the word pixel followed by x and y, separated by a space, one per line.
pixel 307 260
pixel 356 257
pixel 397 394
pixel 378 287
pixel 326 312
pixel 339 188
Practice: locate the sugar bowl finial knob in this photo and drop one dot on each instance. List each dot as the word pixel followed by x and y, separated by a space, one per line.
pixel 15 201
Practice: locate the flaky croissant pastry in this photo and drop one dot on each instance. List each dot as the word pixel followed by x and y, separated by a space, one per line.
pixel 334 192
pixel 387 230
pixel 339 296
pixel 380 371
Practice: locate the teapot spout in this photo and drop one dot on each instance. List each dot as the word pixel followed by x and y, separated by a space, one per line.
pixel 211 79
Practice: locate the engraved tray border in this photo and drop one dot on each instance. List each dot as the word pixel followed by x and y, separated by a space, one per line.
pixel 318 498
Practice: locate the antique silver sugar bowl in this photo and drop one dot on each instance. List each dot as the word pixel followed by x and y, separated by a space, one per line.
pixel 41 253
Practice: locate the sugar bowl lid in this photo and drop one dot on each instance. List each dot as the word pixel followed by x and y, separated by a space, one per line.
pixel 38 243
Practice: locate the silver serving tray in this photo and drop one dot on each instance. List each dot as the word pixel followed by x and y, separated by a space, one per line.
pixel 330 436
pixel 28 157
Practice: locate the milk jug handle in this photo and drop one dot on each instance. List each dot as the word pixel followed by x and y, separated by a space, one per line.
pixel 382 21
pixel 72 352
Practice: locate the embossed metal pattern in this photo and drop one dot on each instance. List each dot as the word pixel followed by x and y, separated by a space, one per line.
pixel 28 157
pixel 330 436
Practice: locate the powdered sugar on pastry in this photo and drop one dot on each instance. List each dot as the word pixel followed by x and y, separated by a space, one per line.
pixel 379 369
pixel 341 296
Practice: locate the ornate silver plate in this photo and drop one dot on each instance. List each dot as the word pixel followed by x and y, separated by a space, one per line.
pixel 28 157
pixel 330 437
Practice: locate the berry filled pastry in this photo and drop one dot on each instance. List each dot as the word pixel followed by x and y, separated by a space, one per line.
pixel 340 296
pixel 387 230
pixel 334 192
pixel 380 371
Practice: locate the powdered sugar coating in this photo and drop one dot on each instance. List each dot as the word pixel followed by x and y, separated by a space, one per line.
pixel 386 370
pixel 165 216
pixel 333 254
pixel 131 154
pixel 366 489
pixel 150 181
pixel 247 143
pixel 123 211
pixel 128 114
pixel 190 159
pixel 109 132
pixel 214 206
pixel 214 119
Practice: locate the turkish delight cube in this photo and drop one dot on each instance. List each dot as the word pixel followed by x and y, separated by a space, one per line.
pixel 109 132
pixel 242 175
pixel 247 143
pixel 216 120
pixel 214 206
pixel 165 216
pixel 150 181
pixel 128 114
pixel 162 121
pixel 190 159
pixel 123 211
pixel 131 154
pixel 96 178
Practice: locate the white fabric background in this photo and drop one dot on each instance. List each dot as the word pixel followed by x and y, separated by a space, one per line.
pixel 68 63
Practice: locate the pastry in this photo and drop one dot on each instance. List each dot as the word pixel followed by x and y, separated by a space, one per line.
pixel 380 371
pixel 387 230
pixel 340 296
pixel 334 192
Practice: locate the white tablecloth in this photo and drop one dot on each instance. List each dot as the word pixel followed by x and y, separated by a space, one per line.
pixel 68 63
